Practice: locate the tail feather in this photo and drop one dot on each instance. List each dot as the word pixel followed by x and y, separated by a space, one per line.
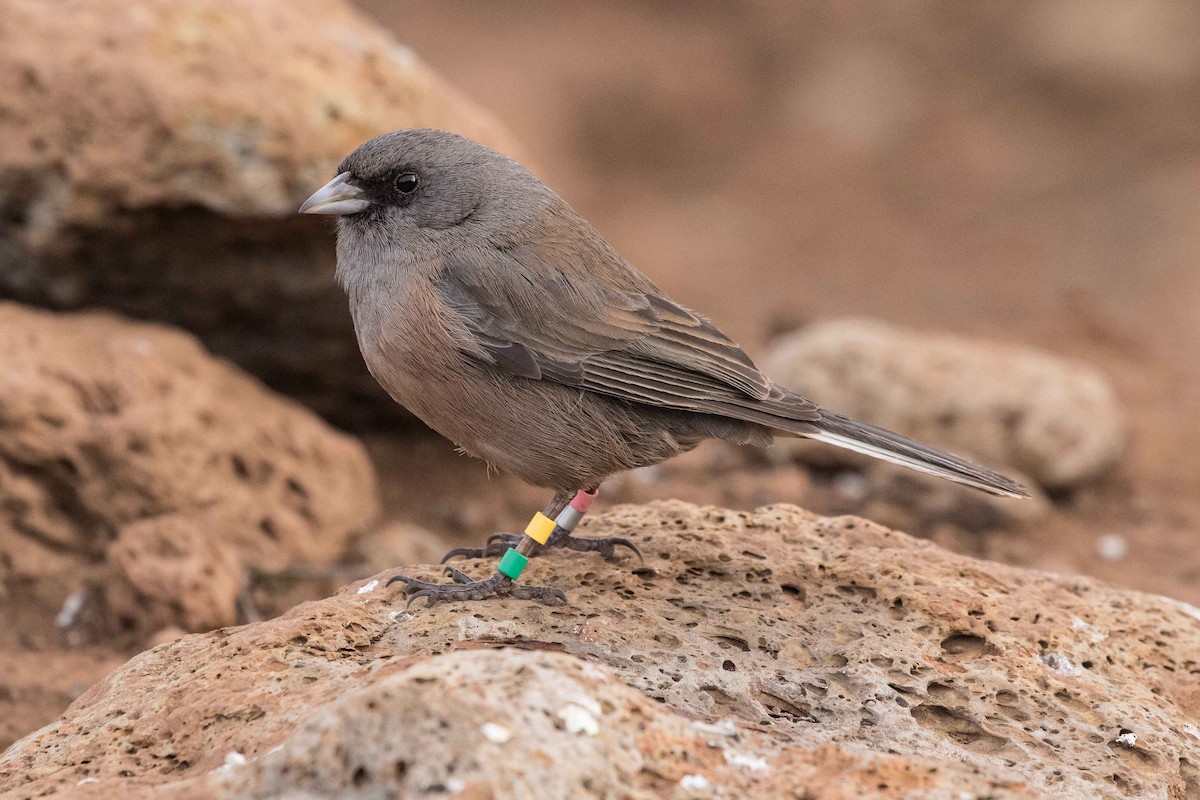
pixel 880 443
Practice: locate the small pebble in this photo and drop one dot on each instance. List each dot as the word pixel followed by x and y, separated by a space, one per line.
pixel 369 586
pixel 1126 738
pixel 71 608
pixel 746 761
pixel 496 733
pixel 1061 664
pixel 233 760
pixel 722 727
pixel 1112 547
pixel 578 719
pixel 1092 633
pixel 694 782
pixel 852 486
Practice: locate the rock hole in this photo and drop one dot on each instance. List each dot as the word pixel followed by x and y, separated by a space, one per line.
pixel 794 591
pixel 733 641
pixel 964 646
pixel 780 708
pixel 240 468
pixel 718 695
pixel 958 727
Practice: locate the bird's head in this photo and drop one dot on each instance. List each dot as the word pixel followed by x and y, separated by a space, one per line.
pixel 422 188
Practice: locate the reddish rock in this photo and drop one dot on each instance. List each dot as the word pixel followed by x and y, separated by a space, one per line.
pixel 156 152
pixel 140 480
pixel 764 654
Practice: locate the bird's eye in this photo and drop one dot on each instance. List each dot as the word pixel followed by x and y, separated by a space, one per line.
pixel 407 182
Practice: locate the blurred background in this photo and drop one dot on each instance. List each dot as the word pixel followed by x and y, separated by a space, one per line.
pixel 1025 173
pixel 986 169
pixel 1013 188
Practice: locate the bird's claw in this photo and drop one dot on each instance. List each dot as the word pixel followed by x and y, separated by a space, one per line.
pixel 605 547
pixel 464 588
pixel 497 543
pixel 457 575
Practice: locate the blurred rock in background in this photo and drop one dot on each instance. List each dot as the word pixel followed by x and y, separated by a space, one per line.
pixel 154 155
pixel 978 167
pixel 1012 408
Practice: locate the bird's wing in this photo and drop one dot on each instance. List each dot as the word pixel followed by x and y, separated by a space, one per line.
pixel 634 345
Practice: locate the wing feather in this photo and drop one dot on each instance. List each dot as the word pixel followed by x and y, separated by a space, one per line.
pixel 633 345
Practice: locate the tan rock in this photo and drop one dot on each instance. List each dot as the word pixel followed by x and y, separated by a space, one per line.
pixel 901 498
pixel 140 477
pixel 1054 420
pixel 790 656
pixel 155 154
pixel 396 543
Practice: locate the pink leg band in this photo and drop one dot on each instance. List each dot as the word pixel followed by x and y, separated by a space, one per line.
pixel 583 501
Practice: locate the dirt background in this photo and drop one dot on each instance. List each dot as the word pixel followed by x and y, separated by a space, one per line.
pixel 1025 173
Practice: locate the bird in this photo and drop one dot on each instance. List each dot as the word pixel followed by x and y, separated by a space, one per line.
pixel 493 311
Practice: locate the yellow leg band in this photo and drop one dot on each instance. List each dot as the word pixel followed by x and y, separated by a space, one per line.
pixel 539 528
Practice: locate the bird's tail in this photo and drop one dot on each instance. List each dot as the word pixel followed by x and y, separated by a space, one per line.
pixel 862 438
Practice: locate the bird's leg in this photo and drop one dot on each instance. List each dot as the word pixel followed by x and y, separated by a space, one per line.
pixel 503 582
pixel 569 518
pixel 564 525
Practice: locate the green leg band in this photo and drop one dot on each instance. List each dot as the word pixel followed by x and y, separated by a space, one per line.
pixel 512 564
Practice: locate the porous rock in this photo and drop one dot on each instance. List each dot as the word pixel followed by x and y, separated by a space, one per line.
pixel 1055 420
pixel 140 477
pixel 155 154
pixel 772 653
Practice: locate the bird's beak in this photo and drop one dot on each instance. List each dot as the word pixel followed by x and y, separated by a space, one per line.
pixel 339 196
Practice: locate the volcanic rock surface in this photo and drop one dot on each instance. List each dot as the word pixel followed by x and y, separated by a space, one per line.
pixel 141 479
pixel 155 154
pixel 766 654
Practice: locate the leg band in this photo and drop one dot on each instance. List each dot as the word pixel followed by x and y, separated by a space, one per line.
pixel 569 518
pixel 512 564
pixel 539 528
pixel 583 501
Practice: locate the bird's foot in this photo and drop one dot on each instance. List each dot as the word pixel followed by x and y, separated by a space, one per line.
pixel 464 588
pixel 496 546
pixel 606 547
pixel 498 543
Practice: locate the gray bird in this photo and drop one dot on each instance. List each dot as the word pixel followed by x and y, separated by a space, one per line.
pixel 490 309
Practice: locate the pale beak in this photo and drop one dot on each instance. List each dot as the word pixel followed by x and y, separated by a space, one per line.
pixel 338 196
